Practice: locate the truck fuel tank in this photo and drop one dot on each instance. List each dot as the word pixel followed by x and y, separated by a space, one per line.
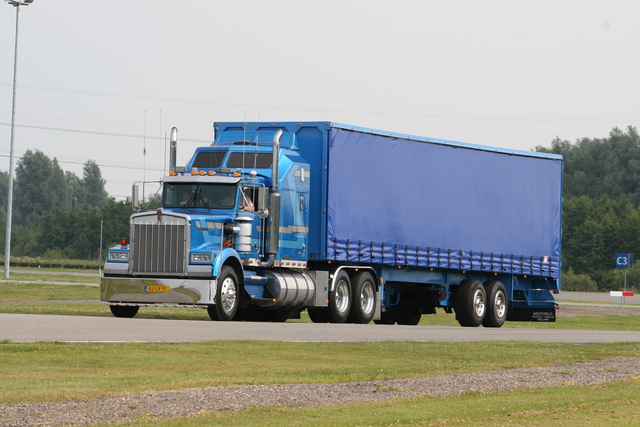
pixel 290 289
pixel 243 234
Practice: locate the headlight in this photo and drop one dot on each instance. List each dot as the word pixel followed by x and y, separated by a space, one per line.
pixel 201 257
pixel 119 256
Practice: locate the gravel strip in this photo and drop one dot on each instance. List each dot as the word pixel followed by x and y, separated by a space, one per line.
pixel 204 401
pixel 590 310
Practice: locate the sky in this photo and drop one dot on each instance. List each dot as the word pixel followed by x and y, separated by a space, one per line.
pixel 106 80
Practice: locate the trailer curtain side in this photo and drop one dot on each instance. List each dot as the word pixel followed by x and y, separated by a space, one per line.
pixel 402 202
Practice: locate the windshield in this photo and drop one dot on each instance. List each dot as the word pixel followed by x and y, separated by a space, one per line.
pixel 208 159
pixel 192 195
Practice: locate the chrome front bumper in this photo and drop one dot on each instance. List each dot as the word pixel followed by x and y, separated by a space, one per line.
pixel 157 291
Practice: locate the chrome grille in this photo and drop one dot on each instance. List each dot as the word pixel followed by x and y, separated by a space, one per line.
pixel 159 247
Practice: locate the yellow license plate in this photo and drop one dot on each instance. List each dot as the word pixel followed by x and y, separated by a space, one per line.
pixel 157 288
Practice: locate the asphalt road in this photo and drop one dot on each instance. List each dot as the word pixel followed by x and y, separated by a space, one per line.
pixel 30 328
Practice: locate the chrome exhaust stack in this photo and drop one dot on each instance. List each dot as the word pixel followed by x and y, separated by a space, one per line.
pixel 173 149
pixel 273 241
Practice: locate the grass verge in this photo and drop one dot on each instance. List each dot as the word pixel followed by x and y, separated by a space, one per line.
pixel 66 371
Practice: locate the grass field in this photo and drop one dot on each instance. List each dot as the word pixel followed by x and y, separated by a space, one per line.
pixel 60 371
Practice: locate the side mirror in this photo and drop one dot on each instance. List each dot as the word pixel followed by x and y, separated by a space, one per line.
pixel 135 202
pixel 263 202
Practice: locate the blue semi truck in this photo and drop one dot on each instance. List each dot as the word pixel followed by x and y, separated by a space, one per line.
pixel 349 224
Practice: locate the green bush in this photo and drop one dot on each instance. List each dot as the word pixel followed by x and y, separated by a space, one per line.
pixel 578 282
pixel 38 262
pixel 613 280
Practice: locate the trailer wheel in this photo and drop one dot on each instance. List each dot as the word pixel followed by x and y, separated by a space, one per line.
pixel 363 298
pixel 470 303
pixel 124 310
pixel 496 304
pixel 317 315
pixel 340 299
pixel 227 296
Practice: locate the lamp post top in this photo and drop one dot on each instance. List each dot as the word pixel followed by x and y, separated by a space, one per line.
pixel 20 2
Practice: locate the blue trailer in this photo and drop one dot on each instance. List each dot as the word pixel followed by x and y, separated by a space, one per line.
pixel 359 225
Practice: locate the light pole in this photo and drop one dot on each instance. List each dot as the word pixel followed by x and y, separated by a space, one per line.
pixel 7 245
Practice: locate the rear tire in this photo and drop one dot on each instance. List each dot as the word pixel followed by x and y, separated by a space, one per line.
pixel 127 311
pixel 317 315
pixel 363 299
pixel 409 316
pixel 387 318
pixel 340 299
pixel 496 304
pixel 471 306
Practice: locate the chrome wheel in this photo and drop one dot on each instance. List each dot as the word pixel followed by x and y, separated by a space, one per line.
pixel 227 297
pixel 500 304
pixel 478 303
pixel 339 299
pixel 342 296
pixel 364 298
pixel 228 294
pixel 367 300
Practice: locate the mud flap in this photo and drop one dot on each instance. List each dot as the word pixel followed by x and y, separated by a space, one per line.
pixel 532 314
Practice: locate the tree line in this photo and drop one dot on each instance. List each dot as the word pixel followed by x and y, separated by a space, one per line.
pixel 601 210
pixel 57 214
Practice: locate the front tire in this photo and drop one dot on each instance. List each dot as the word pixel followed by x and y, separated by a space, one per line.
pixel 227 296
pixel 340 299
pixel 363 298
pixel 471 304
pixel 496 304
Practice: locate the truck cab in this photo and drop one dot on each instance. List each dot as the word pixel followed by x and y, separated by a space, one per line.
pixel 225 213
